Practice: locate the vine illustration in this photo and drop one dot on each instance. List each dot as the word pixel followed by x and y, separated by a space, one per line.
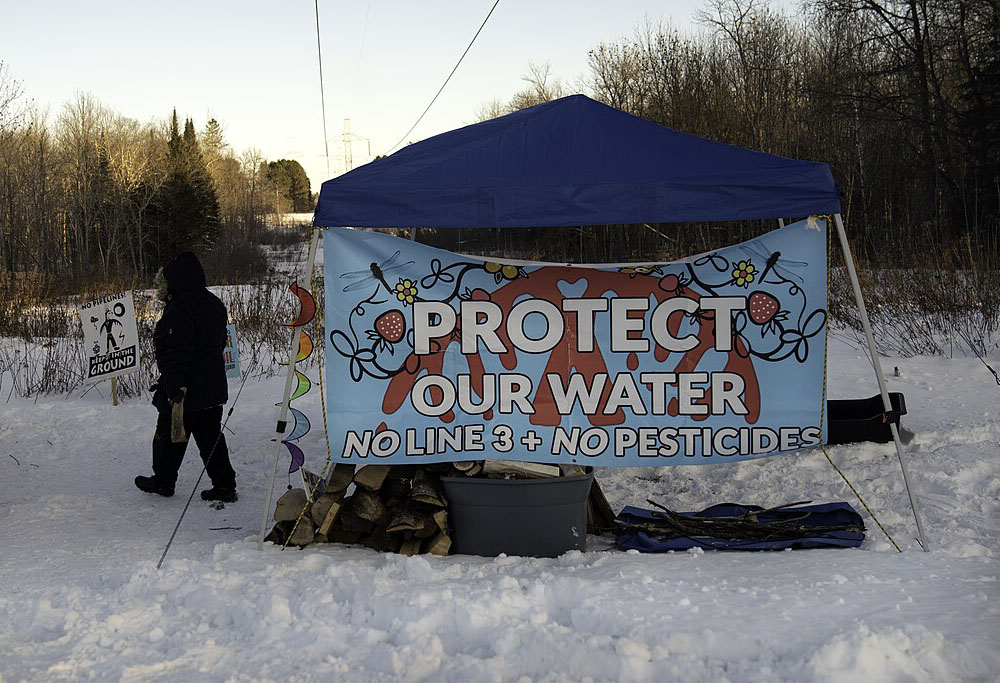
pixel 764 310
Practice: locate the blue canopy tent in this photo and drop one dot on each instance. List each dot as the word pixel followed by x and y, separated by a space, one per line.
pixel 572 161
pixel 575 161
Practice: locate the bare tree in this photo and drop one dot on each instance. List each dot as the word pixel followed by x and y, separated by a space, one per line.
pixel 491 109
pixel 11 113
pixel 542 87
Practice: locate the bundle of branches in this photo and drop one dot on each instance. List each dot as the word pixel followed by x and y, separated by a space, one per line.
pixel 756 523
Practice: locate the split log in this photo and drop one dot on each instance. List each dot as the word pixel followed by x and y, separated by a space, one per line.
pixel 380 540
pixel 329 518
pixel 410 547
pixel 427 489
pixel 291 505
pixel 600 516
pixel 428 527
pixel 404 472
pixel 439 545
pixel 341 535
pixel 367 505
pixel 303 534
pixel 520 470
pixel 279 533
pixel 572 470
pixel 409 518
pixel 321 506
pixel 441 519
pixel 370 477
pixel 354 524
pixel 395 488
pixel 392 509
pixel 340 478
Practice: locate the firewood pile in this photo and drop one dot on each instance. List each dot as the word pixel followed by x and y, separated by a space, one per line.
pixel 401 508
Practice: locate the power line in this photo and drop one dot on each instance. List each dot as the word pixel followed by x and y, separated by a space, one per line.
pixel 391 149
pixel 322 95
pixel 361 54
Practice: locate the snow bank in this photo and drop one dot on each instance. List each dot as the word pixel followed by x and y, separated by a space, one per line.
pixel 82 598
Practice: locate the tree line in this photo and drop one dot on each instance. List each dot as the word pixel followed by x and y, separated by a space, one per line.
pixel 900 97
pixel 90 194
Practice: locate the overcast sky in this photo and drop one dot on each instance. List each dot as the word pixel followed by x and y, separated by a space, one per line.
pixel 253 65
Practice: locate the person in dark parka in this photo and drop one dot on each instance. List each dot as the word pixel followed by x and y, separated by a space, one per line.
pixel 188 341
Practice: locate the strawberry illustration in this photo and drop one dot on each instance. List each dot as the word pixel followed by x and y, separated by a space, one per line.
pixel 762 307
pixel 391 326
pixel 670 283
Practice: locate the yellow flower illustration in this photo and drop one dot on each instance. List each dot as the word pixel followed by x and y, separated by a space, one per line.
pixel 406 291
pixel 743 273
pixel 502 272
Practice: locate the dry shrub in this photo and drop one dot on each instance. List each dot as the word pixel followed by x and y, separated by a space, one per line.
pixel 922 299
pixel 940 300
pixel 41 338
pixel 284 237
pixel 234 262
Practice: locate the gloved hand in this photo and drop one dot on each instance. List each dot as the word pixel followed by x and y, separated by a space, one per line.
pixel 177 433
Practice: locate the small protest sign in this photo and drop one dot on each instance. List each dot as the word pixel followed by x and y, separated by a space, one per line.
pixel 110 336
pixel 314 485
pixel 231 353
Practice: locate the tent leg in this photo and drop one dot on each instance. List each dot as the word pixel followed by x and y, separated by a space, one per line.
pixel 293 352
pixel 873 351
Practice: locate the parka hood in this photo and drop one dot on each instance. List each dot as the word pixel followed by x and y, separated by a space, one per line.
pixel 184 273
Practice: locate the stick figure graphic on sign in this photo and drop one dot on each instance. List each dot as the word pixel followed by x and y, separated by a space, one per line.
pixel 108 327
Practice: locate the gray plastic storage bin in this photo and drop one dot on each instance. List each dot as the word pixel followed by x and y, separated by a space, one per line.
pixel 527 517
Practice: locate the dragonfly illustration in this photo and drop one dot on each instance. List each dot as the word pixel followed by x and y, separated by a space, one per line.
pixel 375 271
pixel 773 261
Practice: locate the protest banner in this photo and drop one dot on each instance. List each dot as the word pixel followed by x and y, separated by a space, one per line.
pixel 434 356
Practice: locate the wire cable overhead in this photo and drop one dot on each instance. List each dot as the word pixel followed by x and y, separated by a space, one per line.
pixel 361 54
pixel 322 95
pixel 468 47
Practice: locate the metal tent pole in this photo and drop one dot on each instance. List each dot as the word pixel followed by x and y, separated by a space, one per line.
pixel 293 352
pixel 873 351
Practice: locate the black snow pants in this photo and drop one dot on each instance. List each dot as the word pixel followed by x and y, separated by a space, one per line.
pixel 205 426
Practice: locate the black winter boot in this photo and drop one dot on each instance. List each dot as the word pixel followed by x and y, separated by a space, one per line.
pixel 220 494
pixel 153 485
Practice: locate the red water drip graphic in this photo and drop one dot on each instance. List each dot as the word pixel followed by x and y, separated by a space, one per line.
pixel 565 359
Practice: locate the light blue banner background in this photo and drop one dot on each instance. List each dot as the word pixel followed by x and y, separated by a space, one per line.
pixel 782 331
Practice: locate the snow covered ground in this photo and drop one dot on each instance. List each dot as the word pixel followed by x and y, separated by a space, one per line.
pixel 81 597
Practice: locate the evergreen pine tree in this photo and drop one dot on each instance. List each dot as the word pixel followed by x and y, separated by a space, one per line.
pixel 205 202
pixel 186 210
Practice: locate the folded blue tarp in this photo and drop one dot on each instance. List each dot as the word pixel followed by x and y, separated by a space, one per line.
pixel 829 525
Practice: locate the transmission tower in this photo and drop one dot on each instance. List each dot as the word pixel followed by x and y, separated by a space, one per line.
pixel 349 140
